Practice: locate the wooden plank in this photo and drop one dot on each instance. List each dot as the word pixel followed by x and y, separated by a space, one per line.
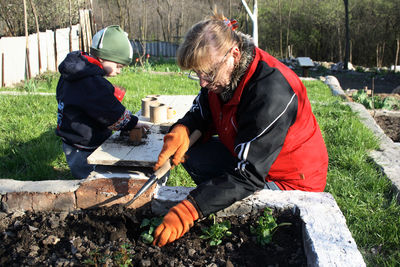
pixel 118 151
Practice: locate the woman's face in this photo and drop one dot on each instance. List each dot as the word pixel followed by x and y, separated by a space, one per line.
pixel 221 75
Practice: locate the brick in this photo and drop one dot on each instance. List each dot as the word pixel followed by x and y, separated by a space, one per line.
pixel 18 201
pixel 53 202
pixel 111 191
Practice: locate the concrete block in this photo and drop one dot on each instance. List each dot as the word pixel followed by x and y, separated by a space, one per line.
pixel 52 186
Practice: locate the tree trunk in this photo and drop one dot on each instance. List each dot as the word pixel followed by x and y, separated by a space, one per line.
pixel 347 49
pixel 169 20
pixel 380 52
pixel 351 51
pixel 230 9
pixel 288 30
pixel 162 24
pixel 38 34
pixel 397 54
pixel 120 16
pixel 280 28
pixel 340 55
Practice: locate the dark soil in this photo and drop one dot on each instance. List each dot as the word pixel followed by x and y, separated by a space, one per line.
pixel 389 124
pixel 359 80
pixel 110 236
pixel 384 85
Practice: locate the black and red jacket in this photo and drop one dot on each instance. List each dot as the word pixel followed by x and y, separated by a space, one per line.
pixel 269 126
pixel 88 107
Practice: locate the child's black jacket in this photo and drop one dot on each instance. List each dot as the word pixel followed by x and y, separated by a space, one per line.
pixel 88 111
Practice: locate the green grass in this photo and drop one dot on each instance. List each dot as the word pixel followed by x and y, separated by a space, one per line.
pixel 29 150
pixel 362 193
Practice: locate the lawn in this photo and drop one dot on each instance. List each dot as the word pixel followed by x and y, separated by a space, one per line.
pixel 29 150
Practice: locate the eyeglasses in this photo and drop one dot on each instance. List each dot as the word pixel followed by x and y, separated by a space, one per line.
pixel 209 77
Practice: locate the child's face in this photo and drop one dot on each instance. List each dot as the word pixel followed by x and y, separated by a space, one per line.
pixel 111 68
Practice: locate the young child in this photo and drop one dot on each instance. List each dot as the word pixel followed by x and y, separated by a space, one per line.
pixel 89 106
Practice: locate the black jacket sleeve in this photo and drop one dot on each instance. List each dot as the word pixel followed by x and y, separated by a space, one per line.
pixel 103 106
pixel 267 109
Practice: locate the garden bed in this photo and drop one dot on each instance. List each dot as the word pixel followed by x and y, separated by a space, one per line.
pixel 389 121
pixel 111 236
pixel 384 108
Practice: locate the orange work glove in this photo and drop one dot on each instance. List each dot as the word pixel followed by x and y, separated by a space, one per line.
pixel 176 143
pixel 176 223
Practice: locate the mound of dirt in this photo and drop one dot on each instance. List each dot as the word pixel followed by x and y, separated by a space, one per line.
pixel 111 236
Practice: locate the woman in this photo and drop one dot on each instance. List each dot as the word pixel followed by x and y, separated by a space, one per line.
pixel 268 136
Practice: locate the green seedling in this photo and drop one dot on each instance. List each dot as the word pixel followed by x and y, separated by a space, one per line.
pixel 389 103
pixel 216 231
pixel 96 258
pixel 265 228
pixel 122 257
pixel 150 225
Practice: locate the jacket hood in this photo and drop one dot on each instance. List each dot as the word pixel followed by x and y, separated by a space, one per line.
pixel 76 66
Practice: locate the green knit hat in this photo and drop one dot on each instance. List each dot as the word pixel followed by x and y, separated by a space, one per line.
pixel 112 43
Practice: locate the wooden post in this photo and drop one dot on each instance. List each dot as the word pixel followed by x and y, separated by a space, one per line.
pixel 372 96
pixel 2 70
pixel 55 48
pixel 70 28
pixel 305 71
pixel 38 34
pixel 27 66
pixel 83 35
pixel 80 37
pixel 89 28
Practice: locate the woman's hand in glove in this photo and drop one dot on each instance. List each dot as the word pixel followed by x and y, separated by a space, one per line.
pixel 176 143
pixel 176 223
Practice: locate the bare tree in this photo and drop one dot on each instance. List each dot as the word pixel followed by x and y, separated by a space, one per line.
pixel 280 28
pixel 288 30
pixel 380 52
pixel 397 53
pixel 164 10
pixel 347 49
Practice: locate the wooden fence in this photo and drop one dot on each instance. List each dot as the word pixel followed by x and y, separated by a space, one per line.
pixel 54 46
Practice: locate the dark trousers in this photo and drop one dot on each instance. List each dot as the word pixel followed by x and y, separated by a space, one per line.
pixel 212 159
pixel 77 161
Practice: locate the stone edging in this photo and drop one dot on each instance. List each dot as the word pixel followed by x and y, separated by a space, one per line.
pixel 327 240
pixel 388 155
pixel 63 195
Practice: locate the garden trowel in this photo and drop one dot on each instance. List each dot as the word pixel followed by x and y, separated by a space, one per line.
pixel 158 174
